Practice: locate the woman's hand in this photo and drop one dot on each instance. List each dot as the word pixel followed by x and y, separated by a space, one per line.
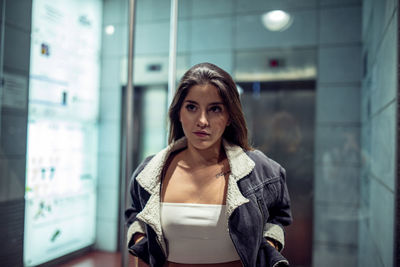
pixel 273 244
pixel 137 237
pixel 138 262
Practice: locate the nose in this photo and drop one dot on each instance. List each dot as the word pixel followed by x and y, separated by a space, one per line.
pixel 202 120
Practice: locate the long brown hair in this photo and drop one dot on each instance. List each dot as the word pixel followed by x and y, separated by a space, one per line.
pixel 207 73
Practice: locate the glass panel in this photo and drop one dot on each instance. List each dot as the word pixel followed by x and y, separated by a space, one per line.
pixel 280 118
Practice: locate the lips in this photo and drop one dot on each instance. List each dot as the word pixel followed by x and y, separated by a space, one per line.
pixel 201 133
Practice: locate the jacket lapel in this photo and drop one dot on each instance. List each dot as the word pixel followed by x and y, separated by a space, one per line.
pixel 241 165
pixel 150 179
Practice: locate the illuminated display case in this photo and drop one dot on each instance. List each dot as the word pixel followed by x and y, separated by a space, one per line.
pixel 62 129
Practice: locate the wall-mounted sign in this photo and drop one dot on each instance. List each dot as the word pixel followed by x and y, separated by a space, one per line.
pixel 61 170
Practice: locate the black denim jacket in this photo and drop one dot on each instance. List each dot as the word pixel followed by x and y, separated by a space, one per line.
pixel 258 205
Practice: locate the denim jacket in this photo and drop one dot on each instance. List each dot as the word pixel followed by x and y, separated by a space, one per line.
pixel 257 202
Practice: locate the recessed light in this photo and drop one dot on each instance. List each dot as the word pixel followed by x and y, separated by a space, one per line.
pixel 276 20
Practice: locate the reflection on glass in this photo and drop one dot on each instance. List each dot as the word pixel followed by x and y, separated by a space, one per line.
pixel 281 122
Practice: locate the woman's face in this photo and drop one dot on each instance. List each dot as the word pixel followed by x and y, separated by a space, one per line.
pixel 203 116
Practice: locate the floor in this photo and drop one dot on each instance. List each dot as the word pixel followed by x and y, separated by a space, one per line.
pixel 98 259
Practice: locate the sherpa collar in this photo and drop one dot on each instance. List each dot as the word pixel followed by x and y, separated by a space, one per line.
pixel 150 179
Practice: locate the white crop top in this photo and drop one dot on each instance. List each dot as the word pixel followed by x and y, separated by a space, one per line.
pixel 197 233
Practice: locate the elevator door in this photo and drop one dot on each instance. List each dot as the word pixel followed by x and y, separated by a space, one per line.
pixel 280 118
pixel 149 121
pixel 152 112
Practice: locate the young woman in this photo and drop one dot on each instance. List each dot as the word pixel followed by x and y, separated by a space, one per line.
pixel 208 199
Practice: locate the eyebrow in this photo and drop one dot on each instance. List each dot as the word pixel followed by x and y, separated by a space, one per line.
pixel 213 103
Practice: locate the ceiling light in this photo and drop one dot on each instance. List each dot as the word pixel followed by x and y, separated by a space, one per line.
pixel 276 20
pixel 110 29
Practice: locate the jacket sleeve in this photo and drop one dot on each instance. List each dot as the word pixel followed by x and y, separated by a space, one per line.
pixel 280 214
pixel 134 225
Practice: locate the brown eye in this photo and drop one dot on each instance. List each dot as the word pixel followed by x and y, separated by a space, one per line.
pixel 216 109
pixel 190 107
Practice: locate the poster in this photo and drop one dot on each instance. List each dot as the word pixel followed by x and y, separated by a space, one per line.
pixel 61 171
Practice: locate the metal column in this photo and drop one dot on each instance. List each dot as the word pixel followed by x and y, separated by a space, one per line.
pixel 129 131
pixel 172 50
pixel 2 31
pixel 130 145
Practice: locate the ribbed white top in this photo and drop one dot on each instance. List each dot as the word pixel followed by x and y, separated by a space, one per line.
pixel 197 233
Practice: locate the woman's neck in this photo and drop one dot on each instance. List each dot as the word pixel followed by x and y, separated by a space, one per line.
pixel 201 158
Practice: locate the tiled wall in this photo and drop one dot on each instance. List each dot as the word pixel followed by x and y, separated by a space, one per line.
pixel 337 146
pixel 378 134
pixel 217 34
pixel 216 31
pixel 13 130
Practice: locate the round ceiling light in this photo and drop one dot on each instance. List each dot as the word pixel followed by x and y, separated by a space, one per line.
pixel 110 29
pixel 276 20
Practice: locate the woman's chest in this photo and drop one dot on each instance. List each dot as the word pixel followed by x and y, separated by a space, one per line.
pixel 207 186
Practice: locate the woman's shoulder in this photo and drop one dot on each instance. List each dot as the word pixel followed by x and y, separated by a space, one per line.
pixel 142 165
pixel 157 160
pixel 265 164
pixel 146 160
